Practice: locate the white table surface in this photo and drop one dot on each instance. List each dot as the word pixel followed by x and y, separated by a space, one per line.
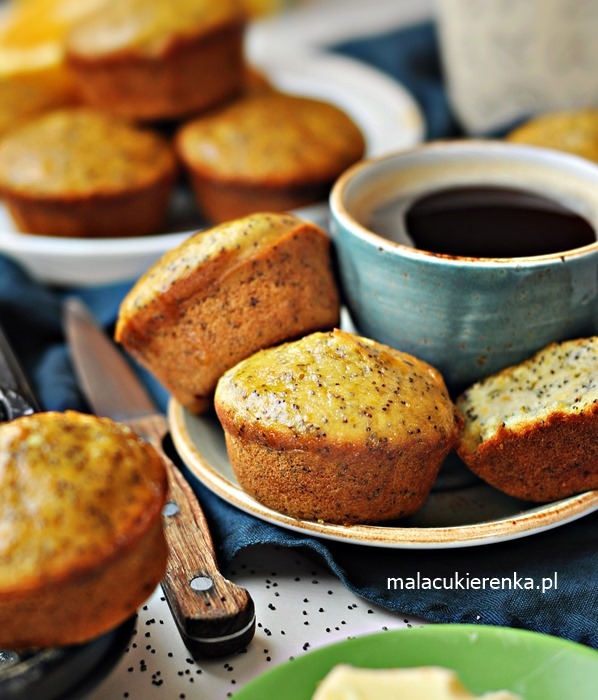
pixel 300 605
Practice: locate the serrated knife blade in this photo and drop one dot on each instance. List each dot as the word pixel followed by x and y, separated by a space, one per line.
pixel 214 616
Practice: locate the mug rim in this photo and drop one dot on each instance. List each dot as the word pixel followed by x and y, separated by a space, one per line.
pixel 340 214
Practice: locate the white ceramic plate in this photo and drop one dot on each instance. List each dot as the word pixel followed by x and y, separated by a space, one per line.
pixel 461 511
pixel 386 113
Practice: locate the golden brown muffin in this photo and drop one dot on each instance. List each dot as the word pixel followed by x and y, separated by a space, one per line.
pixel 531 430
pixel 267 152
pixel 337 428
pixel 222 295
pixel 81 538
pixel 22 98
pixel 79 172
pixel 572 131
pixel 256 82
pixel 158 59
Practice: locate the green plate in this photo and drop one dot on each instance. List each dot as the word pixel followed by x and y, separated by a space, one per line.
pixel 537 666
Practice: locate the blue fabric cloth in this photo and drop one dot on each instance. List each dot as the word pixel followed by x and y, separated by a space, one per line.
pixel 31 316
pixel 411 56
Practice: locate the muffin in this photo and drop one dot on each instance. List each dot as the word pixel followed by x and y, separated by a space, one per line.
pixel 335 427
pixel 531 429
pixel 79 172
pixel 267 152
pixel 158 59
pixel 81 502
pixel 573 131
pixel 222 295
pixel 255 81
pixel 23 98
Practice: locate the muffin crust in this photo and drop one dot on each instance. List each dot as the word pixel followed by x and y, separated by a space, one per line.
pixel 159 60
pixel 23 98
pixel 224 294
pixel 336 427
pixel 268 151
pixel 531 429
pixel 570 131
pixel 78 172
pixel 81 513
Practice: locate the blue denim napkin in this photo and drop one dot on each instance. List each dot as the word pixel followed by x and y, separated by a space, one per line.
pixel 31 316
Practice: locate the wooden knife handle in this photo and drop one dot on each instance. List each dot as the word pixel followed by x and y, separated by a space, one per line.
pixel 215 617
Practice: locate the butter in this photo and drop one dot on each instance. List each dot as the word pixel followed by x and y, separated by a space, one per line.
pixel 345 682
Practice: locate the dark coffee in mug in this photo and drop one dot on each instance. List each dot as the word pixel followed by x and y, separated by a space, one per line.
pixel 485 222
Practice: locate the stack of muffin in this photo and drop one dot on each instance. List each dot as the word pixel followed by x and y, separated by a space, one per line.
pixel 321 424
pixel 148 87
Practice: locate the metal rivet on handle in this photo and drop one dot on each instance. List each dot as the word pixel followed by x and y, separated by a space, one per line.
pixel 201 583
pixel 170 509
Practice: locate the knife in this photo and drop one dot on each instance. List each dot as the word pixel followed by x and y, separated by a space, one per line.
pixel 214 616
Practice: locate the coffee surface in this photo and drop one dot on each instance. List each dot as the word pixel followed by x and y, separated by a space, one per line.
pixel 486 222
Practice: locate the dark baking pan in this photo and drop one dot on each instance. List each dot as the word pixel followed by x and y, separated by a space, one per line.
pixel 66 673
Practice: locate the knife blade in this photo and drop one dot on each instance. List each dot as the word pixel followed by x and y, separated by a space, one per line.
pixel 214 616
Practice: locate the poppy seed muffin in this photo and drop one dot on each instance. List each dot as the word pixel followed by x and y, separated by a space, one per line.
pixel 222 295
pixel 24 97
pixel 337 428
pixel 78 172
pixel 81 500
pixel 158 59
pixel 267 152
pixel 531 430
pixel 574 131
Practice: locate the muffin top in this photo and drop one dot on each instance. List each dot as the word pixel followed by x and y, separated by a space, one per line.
pixel 230 242
pixel 340 388
pixel 147 26
pixel 74 489
pixel 570 131
pixel 23 98
pixel 285 139
pixel 79 152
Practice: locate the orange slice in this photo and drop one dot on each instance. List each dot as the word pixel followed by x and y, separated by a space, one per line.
pixel 32 33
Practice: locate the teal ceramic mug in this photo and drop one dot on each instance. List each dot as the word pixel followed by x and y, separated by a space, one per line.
pixel 469 311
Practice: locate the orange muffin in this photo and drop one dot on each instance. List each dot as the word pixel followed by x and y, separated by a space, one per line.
pixel 531 430
pixel 336 427
pixel 267 152
pixel 225 293
pixel 81 513
pixel 158 59
pixel 78 172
